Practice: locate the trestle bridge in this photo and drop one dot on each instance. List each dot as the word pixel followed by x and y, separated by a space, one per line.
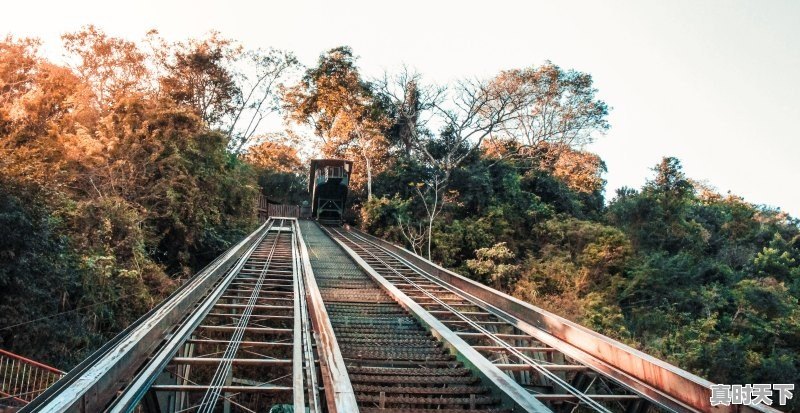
pixel 301 317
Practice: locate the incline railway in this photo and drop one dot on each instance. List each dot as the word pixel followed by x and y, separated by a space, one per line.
pixel 302 317
pixel 236 337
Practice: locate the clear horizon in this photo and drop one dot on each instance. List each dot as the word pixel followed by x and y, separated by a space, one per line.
pixel 713 83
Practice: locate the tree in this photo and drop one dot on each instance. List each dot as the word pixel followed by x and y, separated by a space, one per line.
pixel 232 89
pixel 469 113
pixel 280 173
pixel 409 103
pixel 38 107
pixel 275 156
pixel 110 67
pixel 341 108
pixel 559 108
pixel 260 78
pixel 199 75
pixel 495 265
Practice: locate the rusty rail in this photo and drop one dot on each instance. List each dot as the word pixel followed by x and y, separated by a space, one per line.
pixel 339 393
pixel 22 379
pixel 651 377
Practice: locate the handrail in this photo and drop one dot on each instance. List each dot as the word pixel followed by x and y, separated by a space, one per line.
pixel 23 379
pixel 31 362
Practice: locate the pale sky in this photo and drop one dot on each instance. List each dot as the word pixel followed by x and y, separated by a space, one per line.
pixel 714 83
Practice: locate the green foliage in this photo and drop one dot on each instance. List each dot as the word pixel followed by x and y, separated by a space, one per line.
pixel 109 193
pixel 494 266
pixel 39 277
pixel 708 282
pixel 284 187
pixel 379 216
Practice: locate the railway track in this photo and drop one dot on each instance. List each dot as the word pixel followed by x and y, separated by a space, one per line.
pixel 248 347
pixel 300 317
pixel 394 364
pixel 550 376
pixel 244 345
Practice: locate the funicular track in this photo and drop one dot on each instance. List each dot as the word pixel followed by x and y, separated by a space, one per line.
pixel 553 372
pixel 547 374
pixel 244 346
pixel 299 317
pixel 243 352
pixel 393 363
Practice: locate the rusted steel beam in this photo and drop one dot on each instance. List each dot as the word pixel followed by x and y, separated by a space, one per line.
pixel 551 367
pixel 257 306
pixel 572 397
pixel 659 381
pixel 242 362
pixel 512 394
pixel 339 393
pixel 521 348
pixel 244 343
pixel 260 330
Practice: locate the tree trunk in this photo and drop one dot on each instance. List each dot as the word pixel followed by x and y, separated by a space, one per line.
pixel 430 237
pixel 368 168
pixel 432 216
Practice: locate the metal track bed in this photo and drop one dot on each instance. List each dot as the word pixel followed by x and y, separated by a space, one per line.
pixel 550 376
pixel 394 364
pixel 240 356
pixel 244 346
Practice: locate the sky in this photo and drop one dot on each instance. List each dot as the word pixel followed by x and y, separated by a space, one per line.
pixel 713 83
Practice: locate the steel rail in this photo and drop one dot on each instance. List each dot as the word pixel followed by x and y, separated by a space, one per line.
pixel 211 397
pixel 298 350
pixel 94 382
pixel 271 261
pixel 339 394
pixel 542 369
pixel 581 396
pixel 307 332
pixel 545 370
pixel 512 392
pixel 659 382
pixel 135 392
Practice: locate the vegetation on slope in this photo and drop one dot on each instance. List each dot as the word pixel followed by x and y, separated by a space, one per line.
pixel 488 178
pixel 125 171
